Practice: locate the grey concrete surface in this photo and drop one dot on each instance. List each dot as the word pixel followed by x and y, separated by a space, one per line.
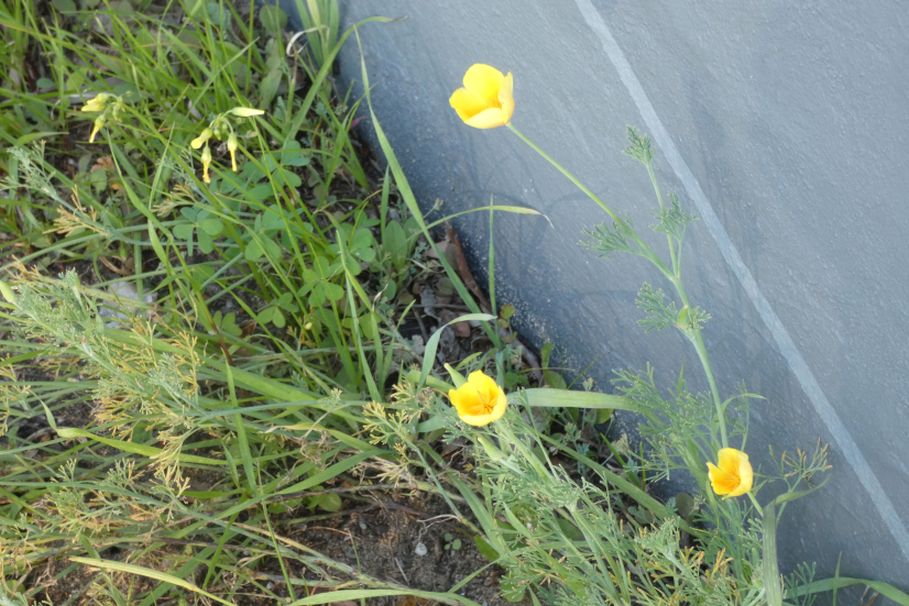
pixel 783 125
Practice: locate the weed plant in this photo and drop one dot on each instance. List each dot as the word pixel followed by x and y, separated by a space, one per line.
pixel 204 282
pixel 569 530
pixel 201 288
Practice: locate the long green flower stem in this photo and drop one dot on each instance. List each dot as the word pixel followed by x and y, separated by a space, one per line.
pixel 645 250
pixel 697 340
pixel 673 275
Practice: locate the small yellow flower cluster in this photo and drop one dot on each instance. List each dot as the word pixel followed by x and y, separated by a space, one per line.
pixel 109 107
pixel 221 128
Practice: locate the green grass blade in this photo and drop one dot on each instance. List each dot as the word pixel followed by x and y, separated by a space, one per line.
pixel 410 200
pixel 71 433
pixel 545 397
pixel 504 208
pixel 148 573
pixel 833 584
pixel 432 345
pixel 332 597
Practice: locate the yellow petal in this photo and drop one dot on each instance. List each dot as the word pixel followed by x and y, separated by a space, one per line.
pixel 728 459
pixel 466 103
pixel 487 389
pixel 721 482
pixel 96 128
pixel 500 407
pixel 96 103
pixel 484 81
pixel 482 382
pixel 203 137
pixel 506 97
pixel 232 145
pixel 488 118
pixel 476 420
pixel 461 398
pixel 485 418
pixel 206 162
pixel 746 477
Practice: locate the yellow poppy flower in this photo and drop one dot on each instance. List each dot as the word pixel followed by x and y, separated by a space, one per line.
pixel 479 401
pixel 733 476
pixel 487 98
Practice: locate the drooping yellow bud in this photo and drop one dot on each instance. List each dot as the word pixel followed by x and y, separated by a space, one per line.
pixel 232 145
pixel 202 139
pixel 96 127
pixel 206 162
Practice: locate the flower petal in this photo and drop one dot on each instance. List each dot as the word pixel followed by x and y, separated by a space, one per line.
pixel 488 118
pixel 746 477
pixel 96 103
pixel 96 128
pixel 477 420
pixel 482 382
pixel 721 481
pixel 485 81
pixel 728 459
pixel 456 396
pixel 500 407
pixel 466 103
pixel 203 137
pixel 506 97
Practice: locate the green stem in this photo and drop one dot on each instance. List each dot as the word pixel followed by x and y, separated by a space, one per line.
pixel 673 256
pixel 568 175
pixel 643 248
pixel 696 337
pixel 754 501
pixel 673 275
pixel 697 340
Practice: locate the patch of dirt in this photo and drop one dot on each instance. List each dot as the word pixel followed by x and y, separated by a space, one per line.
pixel 412 542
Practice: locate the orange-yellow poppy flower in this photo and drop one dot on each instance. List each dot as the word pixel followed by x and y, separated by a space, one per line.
pixel 487 98
pixel 733 475
pixel 479 400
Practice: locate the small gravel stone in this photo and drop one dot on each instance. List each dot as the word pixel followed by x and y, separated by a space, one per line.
pixel 421 550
